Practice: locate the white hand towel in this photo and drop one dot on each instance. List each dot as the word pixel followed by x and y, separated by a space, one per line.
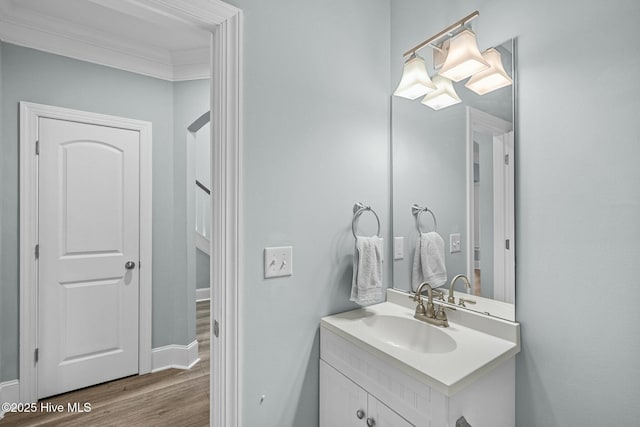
pixel 428 261
pixel 366 286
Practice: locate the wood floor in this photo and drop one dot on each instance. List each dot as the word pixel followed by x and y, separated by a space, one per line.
pixel 172 397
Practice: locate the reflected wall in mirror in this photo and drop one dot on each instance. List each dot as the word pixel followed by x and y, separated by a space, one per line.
pixel 458 162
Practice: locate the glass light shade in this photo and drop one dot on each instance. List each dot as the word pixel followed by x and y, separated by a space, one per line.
pixel 444 95
pixel 415 80
pixel 464 58
pixel 494 77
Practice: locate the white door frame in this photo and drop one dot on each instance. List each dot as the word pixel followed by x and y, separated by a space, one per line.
pixel 480 121
pixel 225 22
pixel 30 113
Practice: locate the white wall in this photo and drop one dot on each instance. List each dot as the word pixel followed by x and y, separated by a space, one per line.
pixel 315 142
pixel 578 210
pixel 577 201
pixel 578 198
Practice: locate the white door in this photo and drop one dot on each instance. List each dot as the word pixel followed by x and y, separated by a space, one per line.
pixel 503 214
pixel 88 232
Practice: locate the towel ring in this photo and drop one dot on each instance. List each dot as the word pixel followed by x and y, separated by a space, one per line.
pixel 418 211
pixel 359 209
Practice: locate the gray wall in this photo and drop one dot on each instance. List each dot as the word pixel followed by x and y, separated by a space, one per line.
pixel 30 75
pixel 203 270
pixel 577 201
pixel 316 116
pixel 428 169
pixel 190 100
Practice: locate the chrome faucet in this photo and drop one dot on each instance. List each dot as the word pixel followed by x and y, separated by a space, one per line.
pixel 429 313
pixel 467 285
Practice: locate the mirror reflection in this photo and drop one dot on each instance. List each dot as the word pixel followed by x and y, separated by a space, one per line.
pixel 452 181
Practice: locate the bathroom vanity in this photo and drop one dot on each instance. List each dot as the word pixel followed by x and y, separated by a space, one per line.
pixel 381 367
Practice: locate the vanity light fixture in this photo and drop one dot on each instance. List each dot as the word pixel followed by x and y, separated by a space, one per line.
pixel 463 57
pixel 415 80
pixel 444 96
pixel 494 77
pixel 455 57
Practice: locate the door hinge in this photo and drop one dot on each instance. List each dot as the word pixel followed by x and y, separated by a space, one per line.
pixel 36 355
pixel 216 328
pixel 507 243
pixel 506 159
pixel 37 147
pixel 37 251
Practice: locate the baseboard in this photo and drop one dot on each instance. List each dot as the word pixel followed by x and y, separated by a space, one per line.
pixel 9 393
pixel 203 294
pixel 174 356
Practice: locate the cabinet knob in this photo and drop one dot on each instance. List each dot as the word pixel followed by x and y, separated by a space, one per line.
pixel 360 414
pixel 371 422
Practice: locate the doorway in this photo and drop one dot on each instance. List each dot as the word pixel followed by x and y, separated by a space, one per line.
pixel 490 205
pixel 224 25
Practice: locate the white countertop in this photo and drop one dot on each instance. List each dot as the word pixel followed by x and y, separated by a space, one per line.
pixel 475 353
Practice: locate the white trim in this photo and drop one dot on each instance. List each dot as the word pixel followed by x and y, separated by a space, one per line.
pixel 24 27
pixel 202 243
pixel 29 115
pixel 9 393
pixel 479 121
pixel 203 294
pixel 226 268
pixel 175 356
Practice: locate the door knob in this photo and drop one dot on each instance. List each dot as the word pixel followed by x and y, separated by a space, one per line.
pixel 371 422
pixel 360 414
pixel 129 265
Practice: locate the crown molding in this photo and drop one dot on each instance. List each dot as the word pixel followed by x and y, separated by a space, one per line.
pixel 28 28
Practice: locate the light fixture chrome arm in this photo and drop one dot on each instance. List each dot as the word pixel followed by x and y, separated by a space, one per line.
pixel 442 33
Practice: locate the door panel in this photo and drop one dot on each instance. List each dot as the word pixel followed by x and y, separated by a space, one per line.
pixel 383 416
pixel 340 399
pixel 88 230
pixel 84 197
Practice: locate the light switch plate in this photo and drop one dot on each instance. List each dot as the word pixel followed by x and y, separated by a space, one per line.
pixel 454 243
pixel 278 261
pixel 398 247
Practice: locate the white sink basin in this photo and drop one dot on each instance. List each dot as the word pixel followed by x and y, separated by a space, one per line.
pixel 410 334
pixel 447 359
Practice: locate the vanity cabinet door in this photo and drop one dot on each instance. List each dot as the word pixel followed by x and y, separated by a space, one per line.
pixel 383 416
pixel 345 404
pixel 340 400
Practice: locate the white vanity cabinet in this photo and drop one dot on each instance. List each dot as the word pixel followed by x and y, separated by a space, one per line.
pixel 343 403
pixel 353 378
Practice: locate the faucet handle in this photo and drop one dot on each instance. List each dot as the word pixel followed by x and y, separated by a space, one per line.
pixel 463 300
pixel 438 293
pixel 442 316
pixel 420 309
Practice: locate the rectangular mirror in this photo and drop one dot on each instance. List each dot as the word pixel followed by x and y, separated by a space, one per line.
pixel 458 162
